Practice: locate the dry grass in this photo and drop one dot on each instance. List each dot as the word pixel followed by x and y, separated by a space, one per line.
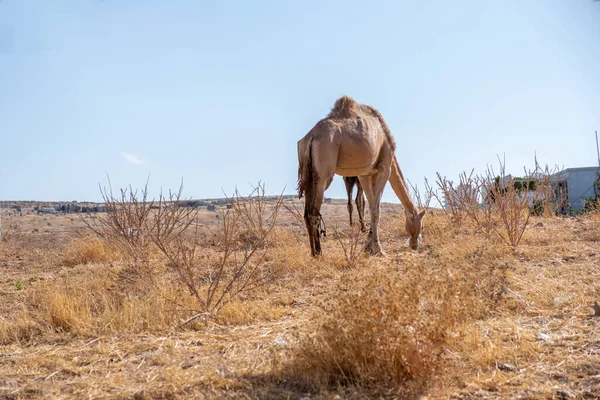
pixel 467 316
pixel 91 304
pixel 89 250
pixel 378 333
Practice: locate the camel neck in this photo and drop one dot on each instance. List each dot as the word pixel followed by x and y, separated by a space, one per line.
pixel 399 186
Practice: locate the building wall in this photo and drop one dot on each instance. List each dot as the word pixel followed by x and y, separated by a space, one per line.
pixel 581 185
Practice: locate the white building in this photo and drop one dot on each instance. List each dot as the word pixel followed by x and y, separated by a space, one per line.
pixel 574 185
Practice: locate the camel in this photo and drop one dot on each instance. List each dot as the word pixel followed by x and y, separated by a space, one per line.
pixel 350 182
pixel 353 140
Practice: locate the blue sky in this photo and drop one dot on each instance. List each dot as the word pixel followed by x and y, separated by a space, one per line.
pixel 219 92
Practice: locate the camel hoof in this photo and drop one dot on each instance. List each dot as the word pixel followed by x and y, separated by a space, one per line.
pixel 374 249
pixel 377 252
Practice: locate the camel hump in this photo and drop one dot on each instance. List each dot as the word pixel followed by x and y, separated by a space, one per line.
pixel 344 107
pixel 347 107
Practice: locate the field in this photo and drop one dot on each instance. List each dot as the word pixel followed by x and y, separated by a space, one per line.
pixel 466 316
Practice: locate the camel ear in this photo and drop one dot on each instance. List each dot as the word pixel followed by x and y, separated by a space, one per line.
pixel 422 213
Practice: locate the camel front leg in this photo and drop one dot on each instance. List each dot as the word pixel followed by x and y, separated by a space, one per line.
pixel 373 187
pixel 372 238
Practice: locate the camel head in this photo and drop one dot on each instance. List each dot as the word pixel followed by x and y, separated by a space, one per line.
pixel 414 226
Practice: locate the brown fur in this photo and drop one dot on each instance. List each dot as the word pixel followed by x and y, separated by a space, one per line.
pixel 350 182
pixel 384 125
pixel 347 117
pixel 346 107
pixel 306 173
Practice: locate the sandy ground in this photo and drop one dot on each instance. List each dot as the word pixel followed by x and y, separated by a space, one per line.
pixel 542 342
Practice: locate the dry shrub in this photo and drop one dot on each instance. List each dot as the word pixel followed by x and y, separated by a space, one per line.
pixel 423 200
pixel 240 265
pixel 386 332
pixel 547 204
pixel 349 240
pixel 128 224
pixel 255 219
pixel 373 337
pixel 498 205
pixel 456 197
pixel 162 252
pixel 511 207
pixel 293 209
pixel 389 329
pixel 88 250
pixel 126 221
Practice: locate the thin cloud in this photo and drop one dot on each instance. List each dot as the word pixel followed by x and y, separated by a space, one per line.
pixel 132 159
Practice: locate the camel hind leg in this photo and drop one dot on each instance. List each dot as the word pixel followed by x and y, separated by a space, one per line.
pixel 350 181
pixel 309 196
pixel 360 206
pixel 312 214
pixel 323 159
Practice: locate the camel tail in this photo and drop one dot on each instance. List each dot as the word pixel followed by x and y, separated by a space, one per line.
pixel 305 168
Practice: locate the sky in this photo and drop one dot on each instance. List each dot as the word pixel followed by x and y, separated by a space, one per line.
pixel 217 93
